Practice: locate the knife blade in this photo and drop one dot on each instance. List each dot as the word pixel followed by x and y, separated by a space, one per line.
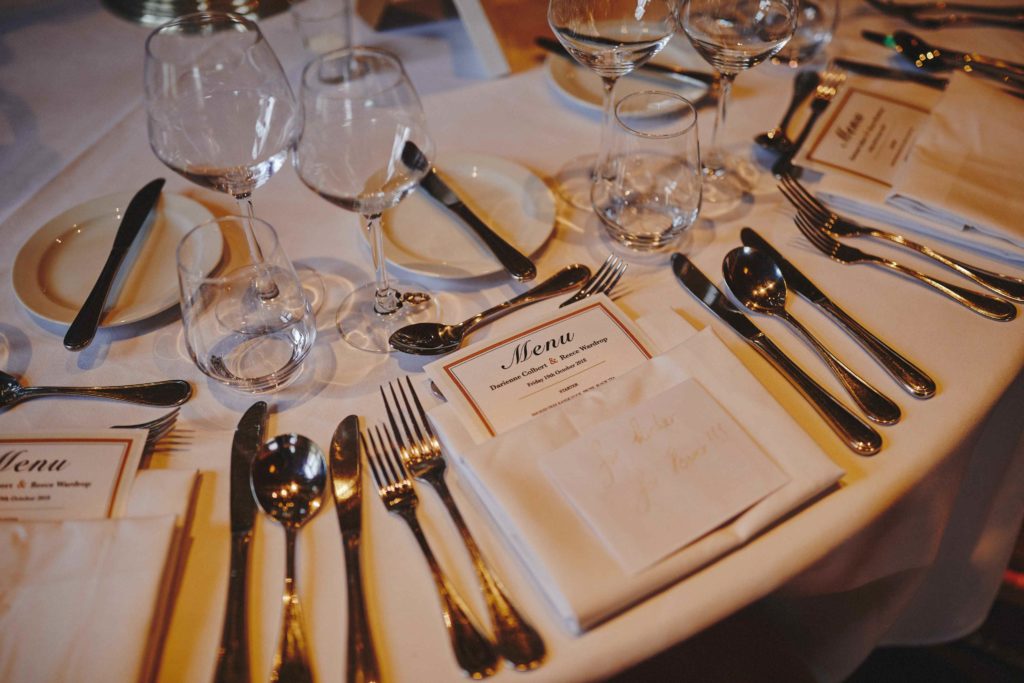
pixel 233 656
pixel 908 375
pixel 678 73
pixel 854 432
pixel 889 73
pixel 83 327
pixel 346 480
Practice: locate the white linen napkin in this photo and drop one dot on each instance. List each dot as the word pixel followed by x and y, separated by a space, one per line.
pixel 966 156
pixel 87 600
pixel 573 567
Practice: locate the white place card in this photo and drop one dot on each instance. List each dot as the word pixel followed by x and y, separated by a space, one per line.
pixel 501 384
pixel 662 474
pixel 81 475
pixel 867 134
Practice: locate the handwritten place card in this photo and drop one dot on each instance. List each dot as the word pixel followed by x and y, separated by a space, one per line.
pixel 868 135
pixel 82 475
pixel 662 474
pixel 501 384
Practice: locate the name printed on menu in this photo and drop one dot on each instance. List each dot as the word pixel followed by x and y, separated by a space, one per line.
pixel 869 136
pixel 67 477
pixel 506 383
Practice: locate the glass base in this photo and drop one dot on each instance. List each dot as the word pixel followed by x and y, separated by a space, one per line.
pixel 365 329
pixel 312 287
pixel 725 185
pixel 575 180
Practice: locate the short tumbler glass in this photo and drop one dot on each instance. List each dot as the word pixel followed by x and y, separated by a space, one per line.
pixel 235 331
pixel 650 190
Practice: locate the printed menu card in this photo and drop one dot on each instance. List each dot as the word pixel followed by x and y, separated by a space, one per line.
pixel 499 384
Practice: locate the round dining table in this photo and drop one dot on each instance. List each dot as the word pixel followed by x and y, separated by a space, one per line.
pixel 908 549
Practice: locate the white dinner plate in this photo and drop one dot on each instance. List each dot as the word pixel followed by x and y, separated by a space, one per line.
pixel 422 236
pixel 582 86
pixel 58 266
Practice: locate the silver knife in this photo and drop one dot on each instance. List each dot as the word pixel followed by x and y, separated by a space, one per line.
pixel 83 327
pixel 346 479
pixel 233 656
pixel 856 433
pixel 912 378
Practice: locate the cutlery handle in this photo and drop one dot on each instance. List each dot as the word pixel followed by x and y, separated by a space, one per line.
pixel 518 641
pixel 561 282
pixel 875 405
pixel 983 304
pixel 912 378
pixel 518 265
pixel 291 663
pixel 233 656
pixel 83 327
pixel 472 650
pixel 171 392
pixel 361 658
pixel 856 433
pixel 1010 287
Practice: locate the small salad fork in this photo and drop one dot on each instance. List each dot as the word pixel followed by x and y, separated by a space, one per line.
pixel 601 282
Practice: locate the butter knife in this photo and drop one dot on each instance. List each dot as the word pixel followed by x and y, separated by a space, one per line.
pixel 346 479
pixel 518 265
pixel 908 375
pixel 856 433
pixel 83 327
pixel 233 656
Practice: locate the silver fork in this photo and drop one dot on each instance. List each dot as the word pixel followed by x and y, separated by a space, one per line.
pixel 473 651
pixel 158 428
pixel 811 207
pixel 517 640
pixel 601 282
pixel 826 91
pixel 983 304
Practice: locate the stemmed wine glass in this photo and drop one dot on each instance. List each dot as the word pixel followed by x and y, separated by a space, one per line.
pixel 733 35
pixel 612 38
pixel 364 147
pixel 220 110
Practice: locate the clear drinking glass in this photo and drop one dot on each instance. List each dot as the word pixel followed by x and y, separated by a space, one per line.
pixel 364 147
pixel 815 23
pixel 612 38
pixel 234 332
pixel 733 35
pixel 651 189
pixel 324 25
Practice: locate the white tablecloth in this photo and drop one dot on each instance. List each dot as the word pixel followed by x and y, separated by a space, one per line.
pixel 909 550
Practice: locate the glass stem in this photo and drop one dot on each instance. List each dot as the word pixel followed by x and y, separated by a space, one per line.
pixel 387 300
pixel 264 283
pixel 607 121
pixel 714 163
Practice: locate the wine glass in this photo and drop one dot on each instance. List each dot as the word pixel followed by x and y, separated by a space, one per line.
pixel 733 35
pixel 610 37
pixel 220 111
pixel 364 147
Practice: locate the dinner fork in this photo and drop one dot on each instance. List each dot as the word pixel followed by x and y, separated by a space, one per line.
pixel 983 304
pixel 420 451
pixel 811 207
pixel 157 428
pixel 828 88
pixel 601 282
pixel 473 651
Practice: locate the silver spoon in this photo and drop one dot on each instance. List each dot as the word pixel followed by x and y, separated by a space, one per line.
pixel 776 140
pixel 172 392
pixel 757 281
pixel 288 477
pixel 434 339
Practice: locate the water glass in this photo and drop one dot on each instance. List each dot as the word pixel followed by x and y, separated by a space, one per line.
pixel 324 25
pixel 247 321
pixel 651 190
pixel 815 23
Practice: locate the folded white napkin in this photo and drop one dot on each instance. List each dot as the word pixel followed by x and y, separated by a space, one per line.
pixel 573 567
pixel 87 600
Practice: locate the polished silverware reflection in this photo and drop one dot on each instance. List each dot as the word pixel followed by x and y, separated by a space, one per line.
pixel 420 450
pixel 982 304
pixel 777 139
pixel 814 210
pixel 601 282
pixel 824 93
pixel 434 339
pixel 289 476
pixel 908 375
pixel 757 282
pixel 172 392
pixel 473 652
